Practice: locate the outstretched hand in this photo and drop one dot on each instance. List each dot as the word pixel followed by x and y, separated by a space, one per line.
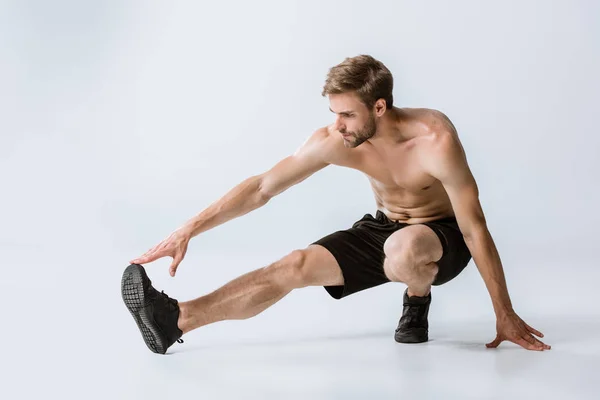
pixel 512 328
pixel 175 245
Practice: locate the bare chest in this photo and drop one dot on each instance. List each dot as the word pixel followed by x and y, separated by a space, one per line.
pixel 399 170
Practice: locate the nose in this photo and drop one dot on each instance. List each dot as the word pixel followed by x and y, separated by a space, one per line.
pixel 338 124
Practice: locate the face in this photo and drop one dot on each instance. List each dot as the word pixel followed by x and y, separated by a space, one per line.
pixel 353 119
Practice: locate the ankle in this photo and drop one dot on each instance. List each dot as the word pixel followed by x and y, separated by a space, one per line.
pixel 419 292
pixel 184 322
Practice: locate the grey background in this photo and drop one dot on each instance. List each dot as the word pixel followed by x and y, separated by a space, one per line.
pixel 122 120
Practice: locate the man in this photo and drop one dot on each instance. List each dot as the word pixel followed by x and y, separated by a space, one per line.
pixel 428 224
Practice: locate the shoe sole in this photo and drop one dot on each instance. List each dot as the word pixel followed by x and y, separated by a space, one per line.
pixel 417 336
pixel 132 292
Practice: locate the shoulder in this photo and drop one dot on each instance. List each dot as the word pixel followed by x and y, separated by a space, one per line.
pixel 439 129
pixel 325 144
pixel 435 122
pixel 322 135
pixel 333 142
pixel 317 140
pixel 442 152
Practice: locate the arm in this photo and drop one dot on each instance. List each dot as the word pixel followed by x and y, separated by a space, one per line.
pixel 257 190
pixel 447 162
pixel 249 195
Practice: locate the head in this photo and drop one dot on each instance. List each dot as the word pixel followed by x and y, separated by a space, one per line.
pixel 360 92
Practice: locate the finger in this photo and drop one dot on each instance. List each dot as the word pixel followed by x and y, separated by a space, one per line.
pixel 142 260
pixel 175 264
pixel 148 257
pixel 535 331
pixel 177 259
pixel 536 342
pixel 541 344
pixel 527 337
pixel 143 257
pixel 537 345
pixel 525 344
pixel 493 344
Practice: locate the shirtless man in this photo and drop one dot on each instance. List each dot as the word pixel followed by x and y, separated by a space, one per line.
pixel 428 223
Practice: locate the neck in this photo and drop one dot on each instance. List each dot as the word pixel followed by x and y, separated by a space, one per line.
pixel 390 129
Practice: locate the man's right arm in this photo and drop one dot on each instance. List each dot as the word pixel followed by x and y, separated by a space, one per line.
pixel 257 190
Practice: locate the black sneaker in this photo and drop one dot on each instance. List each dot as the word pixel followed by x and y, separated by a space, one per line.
pixel 155 313
pixel 413 326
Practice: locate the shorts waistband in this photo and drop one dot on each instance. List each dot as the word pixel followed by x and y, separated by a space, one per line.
pixel 380 216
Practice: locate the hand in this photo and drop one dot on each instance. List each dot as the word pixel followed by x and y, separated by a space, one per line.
pixel 512 328
pixel 175 245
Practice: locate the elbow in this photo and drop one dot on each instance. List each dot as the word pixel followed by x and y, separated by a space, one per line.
pixel 474 231
pixel 263 194
pixel 263 198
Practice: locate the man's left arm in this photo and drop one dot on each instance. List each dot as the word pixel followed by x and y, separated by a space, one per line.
pixel 446 161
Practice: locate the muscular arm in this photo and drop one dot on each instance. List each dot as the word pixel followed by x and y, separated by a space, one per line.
pixel 257 190
pixel 446 161
pixel 307 160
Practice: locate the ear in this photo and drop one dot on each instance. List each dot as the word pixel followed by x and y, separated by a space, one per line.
pixel 380 107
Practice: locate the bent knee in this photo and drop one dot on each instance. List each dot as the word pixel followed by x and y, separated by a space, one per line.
pixel 405 269
pixel 398 267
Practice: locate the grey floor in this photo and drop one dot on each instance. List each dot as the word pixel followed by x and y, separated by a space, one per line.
pixel 66 334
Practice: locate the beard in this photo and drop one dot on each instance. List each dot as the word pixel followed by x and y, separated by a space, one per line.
pixel 363 134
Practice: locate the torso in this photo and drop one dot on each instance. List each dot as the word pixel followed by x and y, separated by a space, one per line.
pixel 403 191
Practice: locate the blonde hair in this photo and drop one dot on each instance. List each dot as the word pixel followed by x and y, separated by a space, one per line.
pixel 368 77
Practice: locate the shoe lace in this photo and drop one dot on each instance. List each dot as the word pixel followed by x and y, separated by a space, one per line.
pixel 169 300
pixel 411 314
pixel 412 310
pixel 173 305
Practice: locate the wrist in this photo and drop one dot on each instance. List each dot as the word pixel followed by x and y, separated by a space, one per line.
pixel 187 230
pixel 195 225
pixel 503 310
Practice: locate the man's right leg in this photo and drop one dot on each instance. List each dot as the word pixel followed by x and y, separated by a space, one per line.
pixel 252 293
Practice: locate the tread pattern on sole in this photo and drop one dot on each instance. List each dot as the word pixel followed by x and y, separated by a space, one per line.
pixel 132 291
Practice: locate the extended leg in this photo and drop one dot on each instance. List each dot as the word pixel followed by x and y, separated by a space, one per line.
pixel 162 320
pixel 252 293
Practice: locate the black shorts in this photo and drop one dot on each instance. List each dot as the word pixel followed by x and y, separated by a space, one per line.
pixel 359 252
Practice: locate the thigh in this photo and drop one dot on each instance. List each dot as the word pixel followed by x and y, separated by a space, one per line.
pixel 456 254
pixel 320 268
pixel 359 254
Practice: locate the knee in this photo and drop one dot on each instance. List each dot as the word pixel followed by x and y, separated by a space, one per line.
pixel 404 267
pixel 399 267
pixel 290 271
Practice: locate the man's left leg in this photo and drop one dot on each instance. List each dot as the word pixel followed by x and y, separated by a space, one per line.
pixel 410 257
